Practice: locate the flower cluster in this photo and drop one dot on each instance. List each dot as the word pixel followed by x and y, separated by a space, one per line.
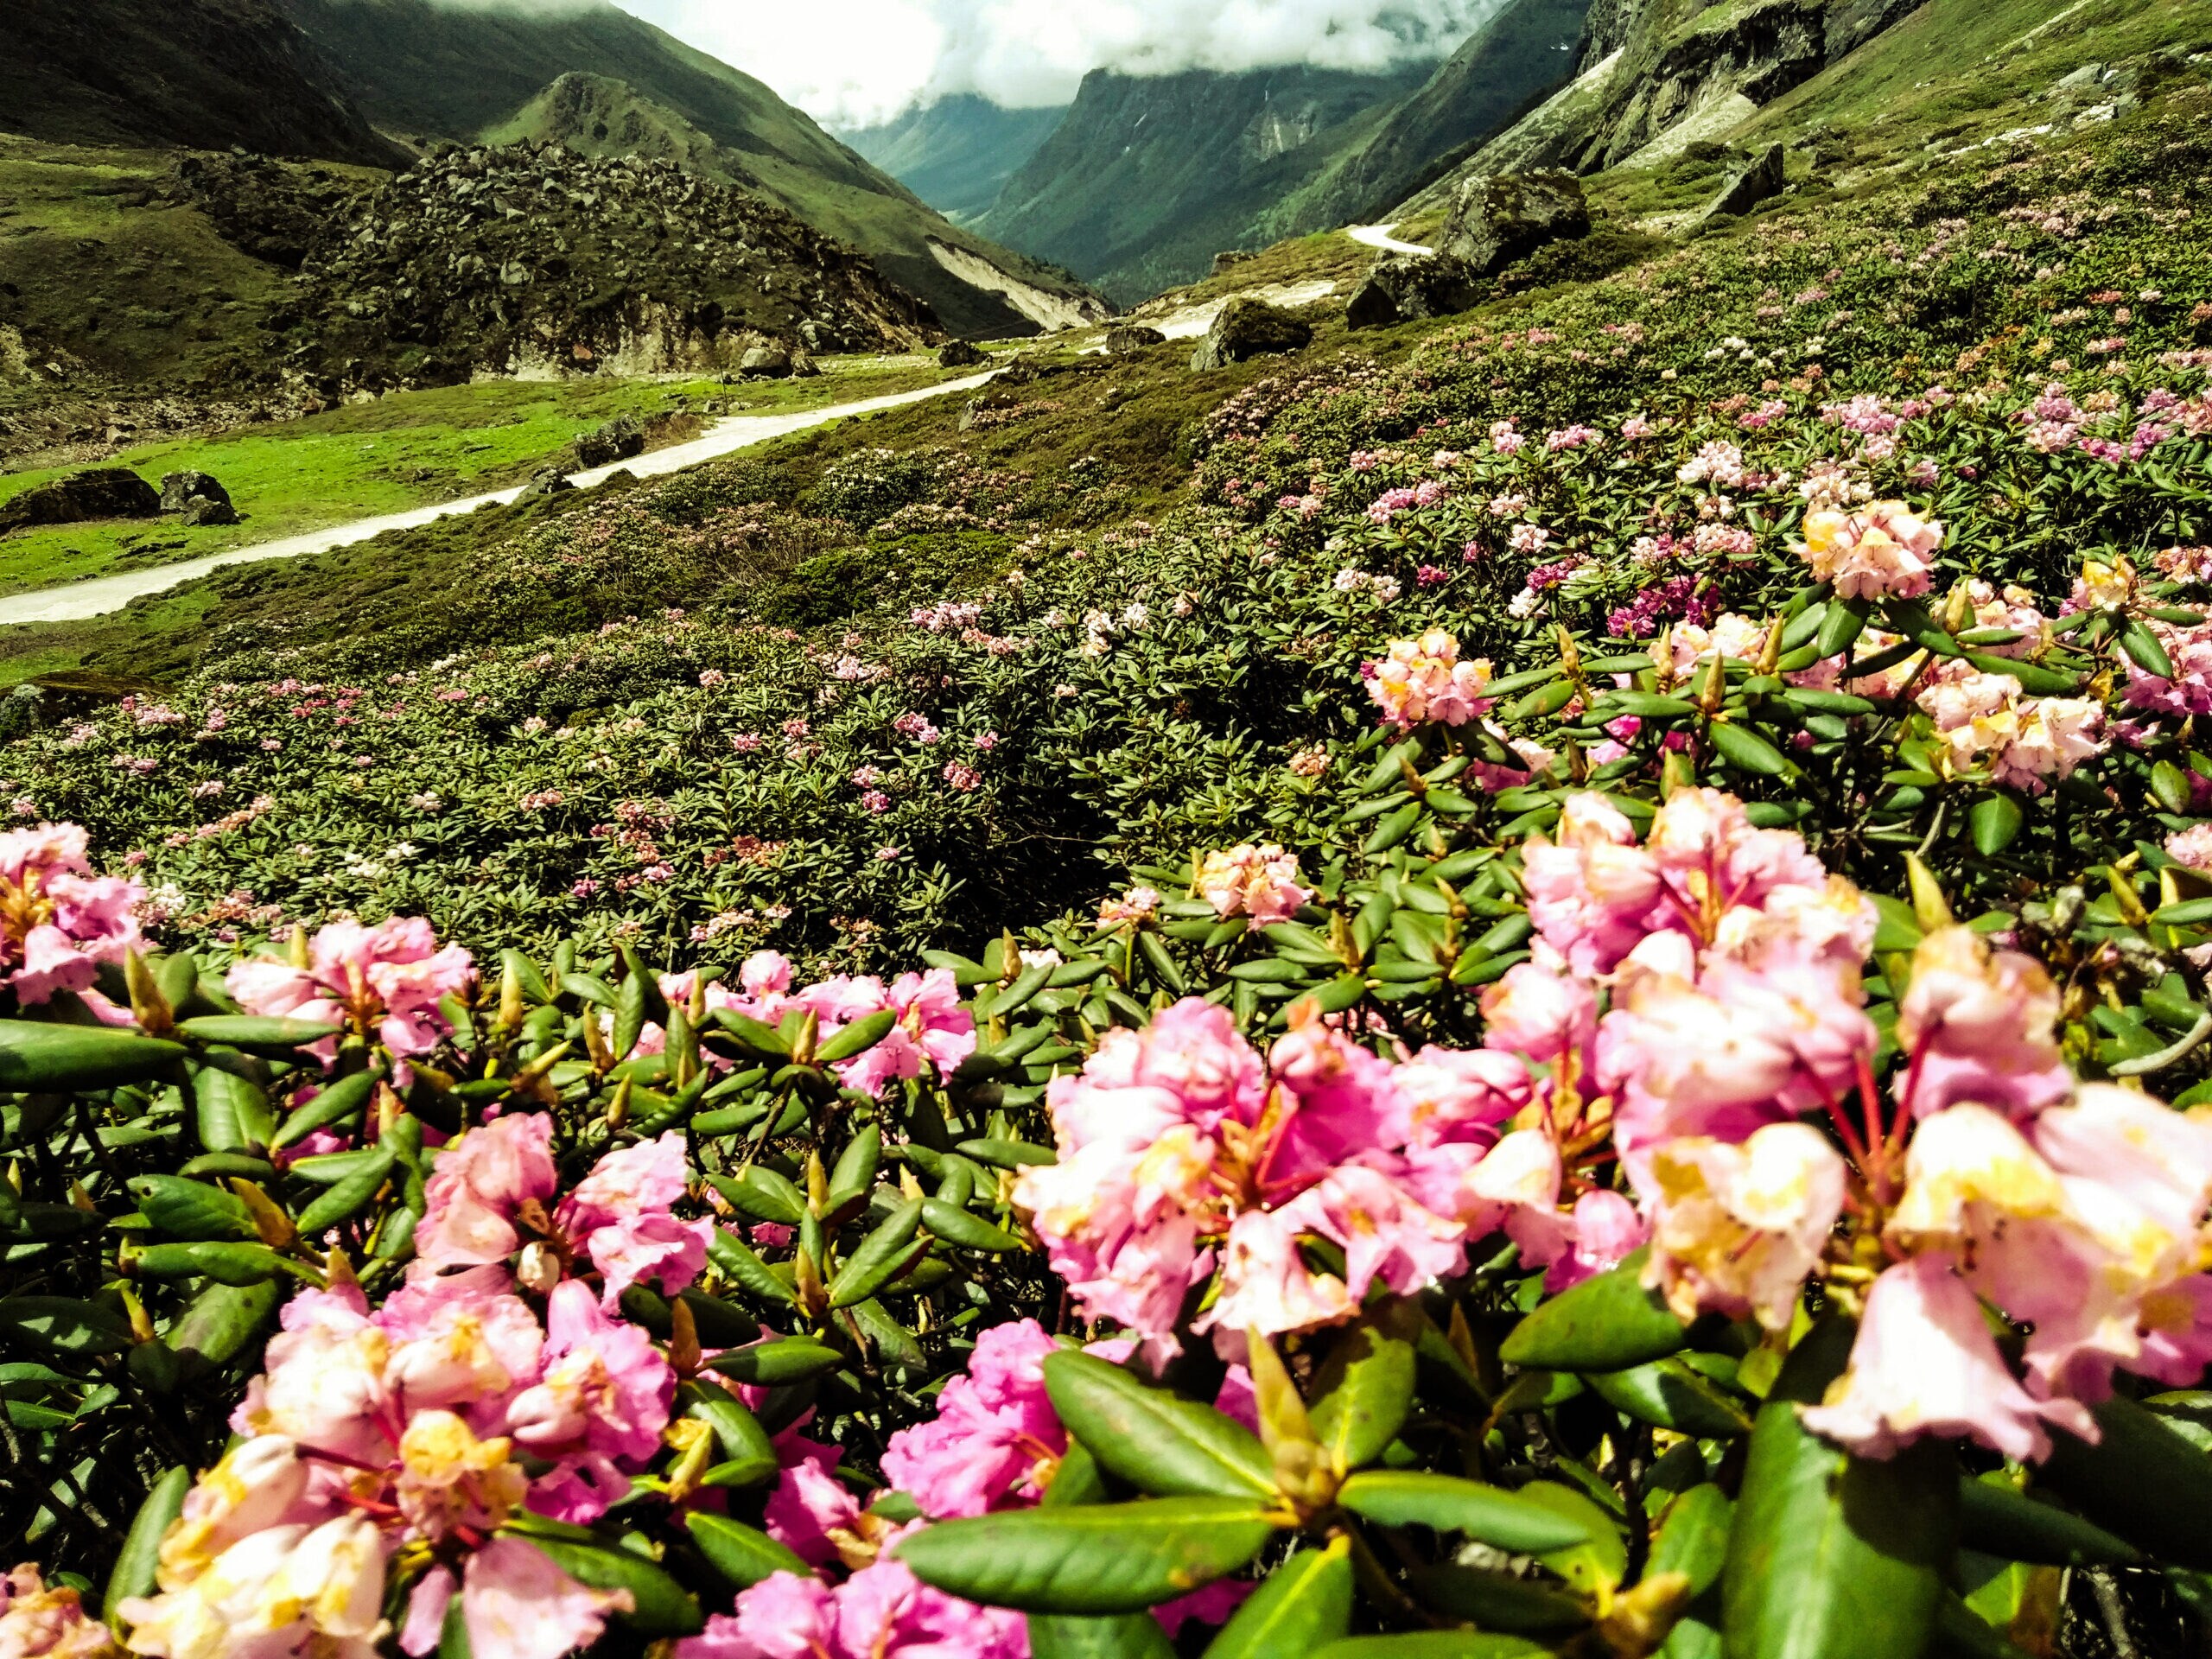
pixel 1424 680
pixel 1882 549
pixel 1257 882
pixel 381 983
pixel 58 922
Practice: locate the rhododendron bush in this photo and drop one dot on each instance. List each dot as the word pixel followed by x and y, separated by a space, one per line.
pixel 1569 1017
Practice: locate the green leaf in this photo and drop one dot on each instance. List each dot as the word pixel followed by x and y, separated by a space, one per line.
pixel 1302 1604
pixel 1693 1537
pixel 880 1258
pixel 520 968
pixel 1156 1441
pixel 1125 1636
pixel 1006 1154
pixel 743 1555
pixel 1670 1393
pixel 1998 1520
pixel 1995 820
pixel 1605 1323
pixel 344 1200
pixel 763 1194
pixel 857 1038
pixel 218 1324
pixel 1159 964
pixel 736 1260
pixel 1490 1514
pixel 790 1359
pixel 1845 620
pixel 1089 1559
pixel 228 1112
pixel 856 1165
pixel 2143 1480
pixel 1364 1388
pixel 1831 1556
pixel 191 1210
pixel 1600 1562
pixel 955 1226
pixel 763 1042
pixel 1493 1601
pixel 341 1100
pixel 2036 680
pixel 1030 980
pixel 36 1056
pixel 737 1431
pixel 257 1032
pixel 63 1324
pixel 227 1264
pixel 1430 1644
pixel 1746 751
pixel 660 1606
pixel 2140 643
pixel 452 1631
pixel 133 1573
pixel 1645 705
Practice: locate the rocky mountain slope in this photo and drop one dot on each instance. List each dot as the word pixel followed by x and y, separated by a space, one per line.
pixel 430 70
pixel 1519 55
pixel 204 74
pixel 1147 177
pixel 1653 77
pixel 957 153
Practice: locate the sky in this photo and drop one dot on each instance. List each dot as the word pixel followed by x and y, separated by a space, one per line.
pixel 851 63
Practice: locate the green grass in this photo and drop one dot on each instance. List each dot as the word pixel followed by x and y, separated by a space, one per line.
pixel 402 451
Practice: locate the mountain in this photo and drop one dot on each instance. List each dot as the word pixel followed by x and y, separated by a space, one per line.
pixel 206 74
pixel 1521 53
pixel 428 70
pixel 1147 177
pixel 957 153
pixel 1653 77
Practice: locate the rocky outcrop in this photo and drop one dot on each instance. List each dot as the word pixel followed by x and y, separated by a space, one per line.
pixel 961 354
pixel 535 261
pixel 1407 287
pixel 619 440
pixel 1126 337
pixel 1763 179
pixel 1495 221
pixel 1245 329
pixel 198 498
pixel 103 493
pixel 767 363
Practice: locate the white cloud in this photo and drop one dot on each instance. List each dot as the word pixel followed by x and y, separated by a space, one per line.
pixel 849 62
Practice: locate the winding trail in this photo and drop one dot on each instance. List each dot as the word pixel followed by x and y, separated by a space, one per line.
pixel 76 601
pixel 1378 236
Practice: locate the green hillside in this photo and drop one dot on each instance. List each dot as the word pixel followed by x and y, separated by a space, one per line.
pixel 434 71
pixel 957 153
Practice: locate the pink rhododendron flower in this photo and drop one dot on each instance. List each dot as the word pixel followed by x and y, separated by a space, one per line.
pixel 1257 882
pixel 1882 549
pixel 381 983
pixel 38 1622
pixel 1424 680
pixel 620 1214
pixel 478 1184
pixel 1737 1228
pixel 995 1434
pixel 58 921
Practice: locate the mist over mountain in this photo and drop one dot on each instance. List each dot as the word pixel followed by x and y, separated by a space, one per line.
pixel 957 154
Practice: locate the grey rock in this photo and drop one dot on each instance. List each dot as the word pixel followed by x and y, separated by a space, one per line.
pixel 103 493
pixel 205 510
pixel 550 480
pixel 180 489
pixel 1230 258
pixel 1245 329
pixel 1125 337
pixel 2086 79
pixel 1497 220
pixel 1762 181
pixel 1407 287
pixel 618 439
pixel 770 362
pixel 804 367
pixel 961 354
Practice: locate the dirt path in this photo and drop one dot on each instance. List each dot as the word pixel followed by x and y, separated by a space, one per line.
pixel 78 600
pixel 1378 236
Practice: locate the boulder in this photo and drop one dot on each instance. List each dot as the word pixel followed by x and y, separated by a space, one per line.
pixel 1405 287
pixel 1506 217
pixel 803 366
pixel 205 510
pixel 550 480
pixel 618 439
pixel 766 362
pixel 104 492
pixel 1125 337
pixel 1762 181
pixel 1229 259
pixel 1246 327
pixel 180 490
pixel 961 354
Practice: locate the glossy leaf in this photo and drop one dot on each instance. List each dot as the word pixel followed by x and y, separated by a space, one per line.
pixel 1490 1514
pixel 253 1031
pixel 1302 1604
pixel 1672 1394
pixel 1154 1440
pixel 1430 1644
pixel 1123 1636
pixel 743 1555
pixel 191 1210
pixel 659 1605
pixel 956 1226
pixel 1089 1559
pixel 133 1573
pixel 1831 1556
pixel 1994 821
pixel 341 1100
pixel 737 1262
pixel 1605 1323
pixel 1693 1537
pixel 857 1038
pixel 64 1325
pixel 790 1359
pixel 2144 1481
pixel 1496 1601
pixel 1363 1390
pixel 228 1112
pixel 881 1255
pixel 1998 1520
pixel 346 1198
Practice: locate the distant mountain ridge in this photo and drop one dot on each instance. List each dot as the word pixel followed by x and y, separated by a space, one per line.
pixel 957 153
pixel 206 74
pixel 427 71
pixel 1147 177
